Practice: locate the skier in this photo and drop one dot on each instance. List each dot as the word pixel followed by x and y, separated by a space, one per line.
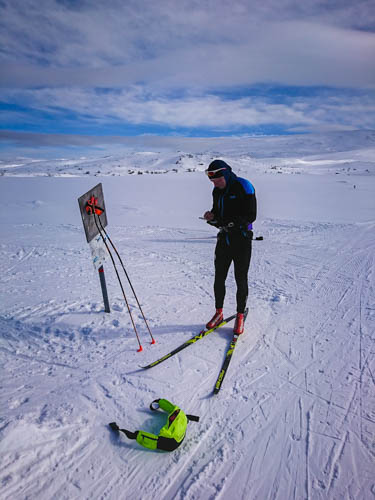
pixel 233 212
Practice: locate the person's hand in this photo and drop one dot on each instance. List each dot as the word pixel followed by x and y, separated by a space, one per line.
pixel 208 216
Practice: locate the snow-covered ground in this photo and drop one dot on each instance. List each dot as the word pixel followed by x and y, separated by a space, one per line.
pixel 296 414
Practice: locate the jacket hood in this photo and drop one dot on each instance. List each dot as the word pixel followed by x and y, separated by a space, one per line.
pixel 227 172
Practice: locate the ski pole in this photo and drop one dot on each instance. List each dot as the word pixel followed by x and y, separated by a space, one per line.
pixel 128 278
pixel 119 280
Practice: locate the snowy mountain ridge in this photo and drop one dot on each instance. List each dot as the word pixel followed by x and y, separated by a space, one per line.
pixel 334 151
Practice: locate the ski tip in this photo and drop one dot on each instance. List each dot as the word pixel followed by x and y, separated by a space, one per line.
pixel 140 349
pixel 153 342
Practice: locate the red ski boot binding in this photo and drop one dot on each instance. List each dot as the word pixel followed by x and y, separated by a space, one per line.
pixel 216 319
pixel 239 324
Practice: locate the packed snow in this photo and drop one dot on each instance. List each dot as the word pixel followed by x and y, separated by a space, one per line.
pixel 295 417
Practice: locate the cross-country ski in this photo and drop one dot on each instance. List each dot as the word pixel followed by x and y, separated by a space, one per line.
pixel 190 342
pixel 227 360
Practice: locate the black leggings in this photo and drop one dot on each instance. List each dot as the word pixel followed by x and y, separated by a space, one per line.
pixel 234 248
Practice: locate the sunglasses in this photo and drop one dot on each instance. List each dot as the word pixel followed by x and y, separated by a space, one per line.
pixel 214 174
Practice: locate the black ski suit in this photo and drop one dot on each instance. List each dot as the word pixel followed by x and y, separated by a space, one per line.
pixel 234 209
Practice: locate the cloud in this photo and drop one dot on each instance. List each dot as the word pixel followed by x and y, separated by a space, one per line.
pixel 135 106
pixel 207 44
pixel 288 54
pixel 113 64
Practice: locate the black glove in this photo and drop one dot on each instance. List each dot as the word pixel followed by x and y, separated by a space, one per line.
pixel 114 426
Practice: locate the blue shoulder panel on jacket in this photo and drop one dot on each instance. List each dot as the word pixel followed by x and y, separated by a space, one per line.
pixel 248 187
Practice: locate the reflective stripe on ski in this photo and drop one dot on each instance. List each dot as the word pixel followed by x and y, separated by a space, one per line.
pixel 200 335
pixel 227 359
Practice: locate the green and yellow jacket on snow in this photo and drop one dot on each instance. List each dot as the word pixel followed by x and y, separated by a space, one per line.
pixel 171 435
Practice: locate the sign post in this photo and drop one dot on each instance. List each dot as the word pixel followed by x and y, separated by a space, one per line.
pixel 94 219
pixel 95 197
pixel 104 289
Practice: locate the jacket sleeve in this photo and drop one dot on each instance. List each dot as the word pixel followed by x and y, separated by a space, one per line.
pixel 250 207
pixel 167 406
pixel 214 205
pixel 217 222
pixel 249 203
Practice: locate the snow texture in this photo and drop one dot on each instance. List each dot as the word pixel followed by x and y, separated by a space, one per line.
pixel 295 416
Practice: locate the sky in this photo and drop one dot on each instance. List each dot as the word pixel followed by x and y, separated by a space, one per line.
pixel 195 68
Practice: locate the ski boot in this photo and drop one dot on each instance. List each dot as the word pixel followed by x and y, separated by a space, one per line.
pixel 216 319
pixel 239 324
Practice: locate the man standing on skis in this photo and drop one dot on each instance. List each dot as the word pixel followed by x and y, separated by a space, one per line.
pixel 233 212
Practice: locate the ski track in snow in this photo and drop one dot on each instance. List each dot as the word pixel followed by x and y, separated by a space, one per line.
pixel 295 416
